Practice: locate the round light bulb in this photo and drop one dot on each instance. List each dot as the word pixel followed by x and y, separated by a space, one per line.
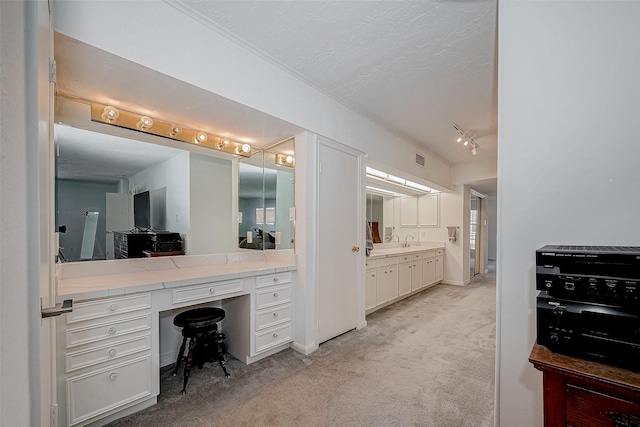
pixel 175 130
pixel 110 113
pixel 459 139
pixel 289 159
pixel 224 142
pixel 144 123
pixel 466 143
pixel 246 148
pixel 201 137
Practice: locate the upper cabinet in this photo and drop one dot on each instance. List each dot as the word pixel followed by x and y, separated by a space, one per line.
pixel 429 210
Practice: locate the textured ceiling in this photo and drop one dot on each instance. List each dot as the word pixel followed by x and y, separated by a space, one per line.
pixel 416 67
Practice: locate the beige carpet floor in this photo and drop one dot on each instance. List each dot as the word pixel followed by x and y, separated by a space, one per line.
pixel 424 361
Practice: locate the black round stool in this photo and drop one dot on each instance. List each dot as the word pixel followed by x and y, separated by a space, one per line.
pixel 200 325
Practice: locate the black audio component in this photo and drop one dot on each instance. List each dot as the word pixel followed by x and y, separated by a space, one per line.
pixel 166 241
pixel 599 332
pixel 601 274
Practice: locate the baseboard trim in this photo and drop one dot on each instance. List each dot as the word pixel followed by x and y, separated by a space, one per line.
pixel 306 350
pixel 363 324
pixel 455 282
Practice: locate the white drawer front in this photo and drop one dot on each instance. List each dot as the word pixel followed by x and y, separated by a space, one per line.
pixel 430 254
pixel 207 291
pixel 273 317
pixel 273 279
pixel 369 265
pixel 417 256
pixel 273 296
pixel 114 351
pixel 87 334
pixel 273 337
pixel 103 390
pixel 439 252
pixel 405 258
pixel 96 309
pixel 383 262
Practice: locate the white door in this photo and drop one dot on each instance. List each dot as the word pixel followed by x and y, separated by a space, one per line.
pixel 341 228
pixel 118 217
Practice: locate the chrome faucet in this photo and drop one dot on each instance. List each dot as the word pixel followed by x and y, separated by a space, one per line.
pixel 394 235
pixel 407 244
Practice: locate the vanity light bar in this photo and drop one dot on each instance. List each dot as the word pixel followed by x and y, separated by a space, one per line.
pixel 110 115
pixel 285 160
pixel 396 180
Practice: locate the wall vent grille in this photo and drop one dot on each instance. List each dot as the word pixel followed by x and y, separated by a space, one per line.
pixel 420 160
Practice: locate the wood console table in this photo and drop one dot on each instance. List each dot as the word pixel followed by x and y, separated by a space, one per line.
pixel 581 393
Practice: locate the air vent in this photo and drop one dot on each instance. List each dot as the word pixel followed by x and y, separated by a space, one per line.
pixel 420 159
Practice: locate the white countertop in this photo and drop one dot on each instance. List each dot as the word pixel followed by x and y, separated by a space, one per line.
pixel 385 250
pixel 97 279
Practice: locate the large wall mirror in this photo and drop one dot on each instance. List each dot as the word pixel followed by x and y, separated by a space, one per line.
pixel 266 217
pixel 395 212
pixel 113 183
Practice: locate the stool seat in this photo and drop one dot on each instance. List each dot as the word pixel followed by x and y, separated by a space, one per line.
pixel 199 317
pixel 200 326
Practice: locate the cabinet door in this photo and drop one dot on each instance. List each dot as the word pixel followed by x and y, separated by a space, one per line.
pixel 404 278
pixel 393 283
pixel 387 284
pixel 370 294
pixel 428 272
pixel 416 275
pixel 439 268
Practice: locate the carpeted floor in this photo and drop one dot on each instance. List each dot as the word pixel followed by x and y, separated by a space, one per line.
pixel 425 361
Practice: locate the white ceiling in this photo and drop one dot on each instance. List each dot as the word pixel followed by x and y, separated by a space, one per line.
pixel 414 67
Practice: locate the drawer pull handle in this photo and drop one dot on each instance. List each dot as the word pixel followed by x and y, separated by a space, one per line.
pixel 212 290
pixel 113 376
pixel 275 295
pixel 112 330
pixel 112 352
pixel 275 279
pixel 275 314
pixel 275 335
pixel 113 307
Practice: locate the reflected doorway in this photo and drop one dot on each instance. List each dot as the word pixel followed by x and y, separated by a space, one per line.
pixel 475 238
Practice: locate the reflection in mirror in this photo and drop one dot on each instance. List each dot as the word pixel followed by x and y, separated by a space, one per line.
pixel 149 199
pixel 266 198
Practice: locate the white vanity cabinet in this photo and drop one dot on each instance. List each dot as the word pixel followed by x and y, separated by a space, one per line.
pixel 429 269
pixel 370 285
pixel 439 265
pixel 273 312
pixel 391 278
pixel 387 280
pixel 105 358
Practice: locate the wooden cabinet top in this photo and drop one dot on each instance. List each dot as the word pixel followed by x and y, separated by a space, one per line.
pixel 544 359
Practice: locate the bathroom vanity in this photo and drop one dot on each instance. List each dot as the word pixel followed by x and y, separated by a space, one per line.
pixel 396 272
pixel 109 346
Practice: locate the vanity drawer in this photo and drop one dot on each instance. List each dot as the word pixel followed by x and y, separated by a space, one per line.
pixel 96 309
pixel 384 262
pixel 114 351
pixel 273 317
pixel 273 296
pixel 106 389
pixel 273 279
pixel 273 337
pixel 87 334
pixel 207 291
pixel 439 252
pixel 370 265
pixel 429 254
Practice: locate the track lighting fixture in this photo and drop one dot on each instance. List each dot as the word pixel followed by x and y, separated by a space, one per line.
pixel 467 138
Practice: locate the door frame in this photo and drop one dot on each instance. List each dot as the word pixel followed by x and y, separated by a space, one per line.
pixel 360 232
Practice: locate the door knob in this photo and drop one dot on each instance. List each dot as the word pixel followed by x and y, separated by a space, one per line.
pixel 355 249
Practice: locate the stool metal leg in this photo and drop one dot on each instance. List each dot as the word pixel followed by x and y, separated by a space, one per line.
pixel 221 352
pixel 187 367
pixel 180 357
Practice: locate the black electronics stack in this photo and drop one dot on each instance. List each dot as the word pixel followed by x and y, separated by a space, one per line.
pixel 589 304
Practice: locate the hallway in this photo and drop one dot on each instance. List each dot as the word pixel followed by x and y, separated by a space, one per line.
pixel 426 361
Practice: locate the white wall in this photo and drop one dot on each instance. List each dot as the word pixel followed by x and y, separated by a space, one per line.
pixel 174 175
pixel 491 206
pixel 245 77
pixel 213 228
pixel 569 108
